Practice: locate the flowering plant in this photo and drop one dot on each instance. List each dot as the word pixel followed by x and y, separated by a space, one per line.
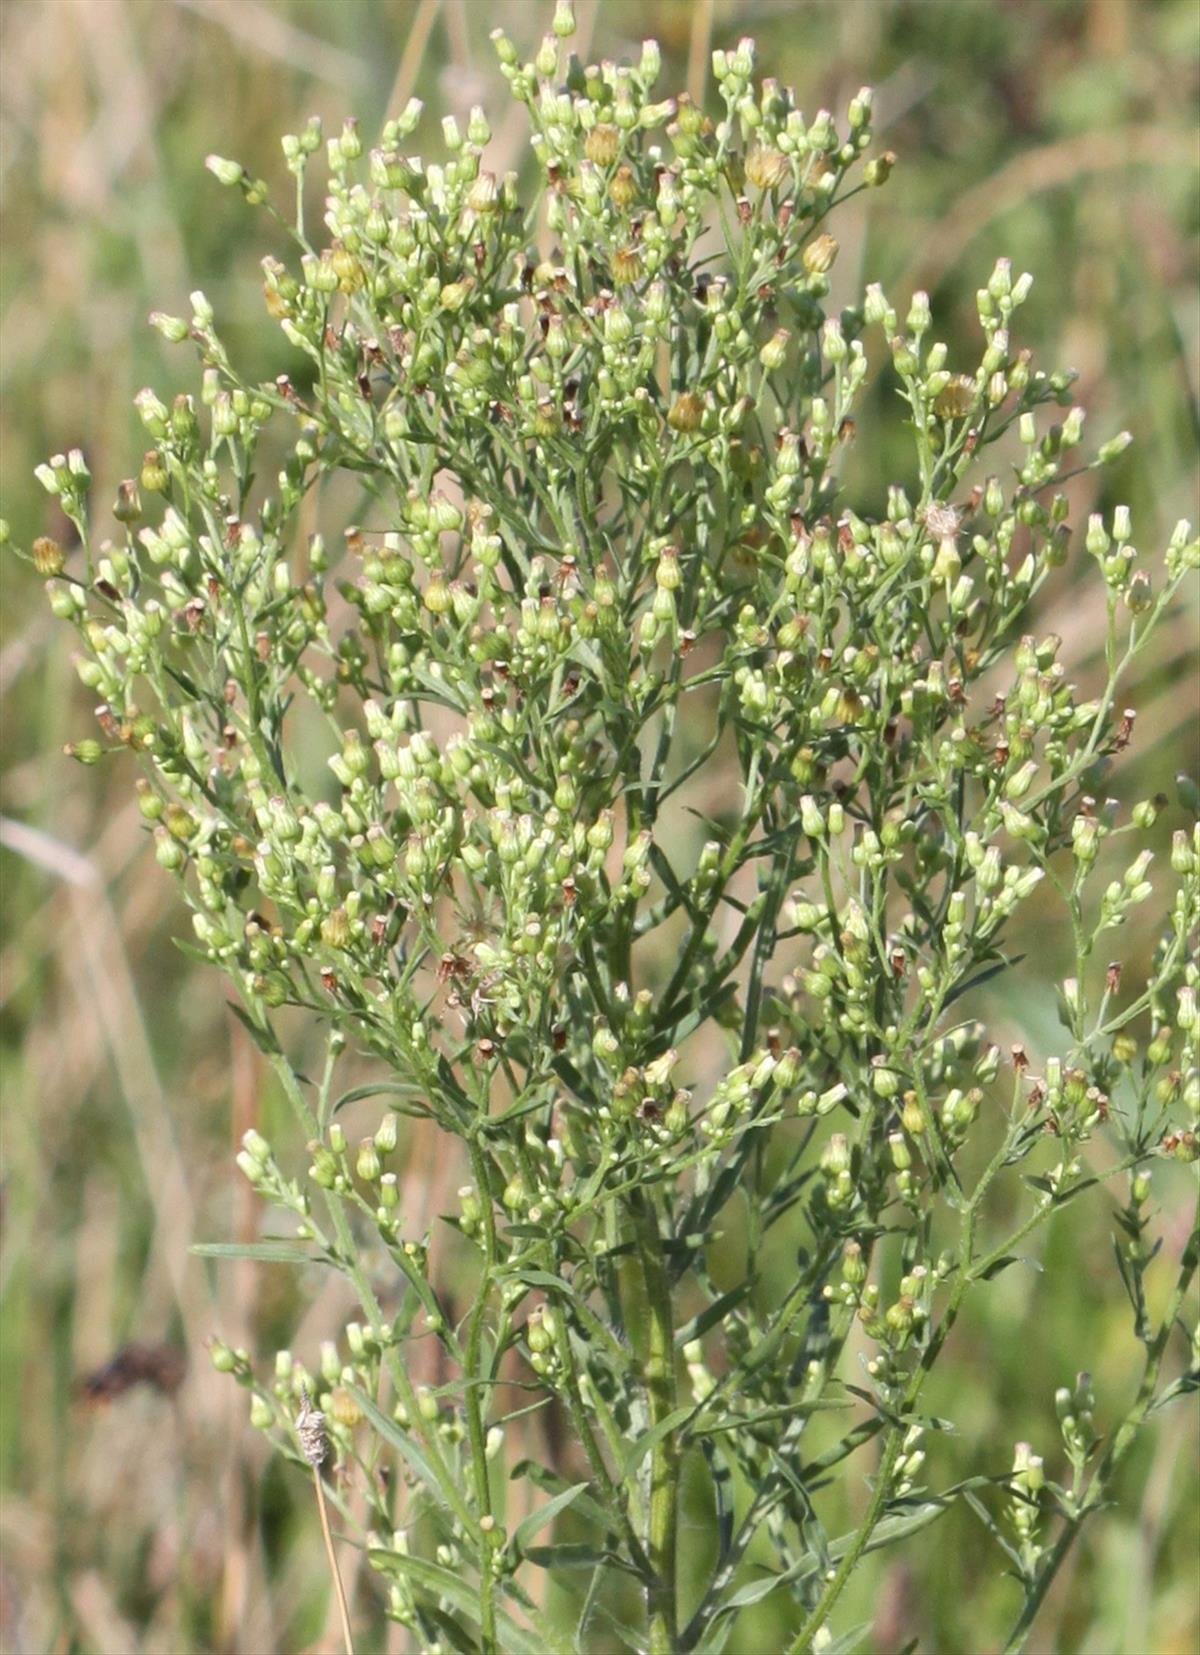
pixel 603 557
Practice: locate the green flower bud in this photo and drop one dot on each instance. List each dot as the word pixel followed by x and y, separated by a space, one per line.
pixel 885 1081
pixel 173 328
pixel 168 853
pixel 226 172
pixel 222 1357
pixel 1115 447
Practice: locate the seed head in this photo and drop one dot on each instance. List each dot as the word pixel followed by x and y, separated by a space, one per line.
pixel 310 1429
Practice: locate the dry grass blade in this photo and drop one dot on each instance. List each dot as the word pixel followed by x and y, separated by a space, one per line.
pixel 267 31
pixel 1052 166
pixel 339 1589
pixel 699 48
pixel 413 55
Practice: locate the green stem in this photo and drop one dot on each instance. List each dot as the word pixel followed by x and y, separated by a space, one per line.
pixel 659 1375
pixel 614 1497
pixel 474 1407
pixel 833 1591
pixel 348 1259
pixel 1119 1445
pixel 820 1613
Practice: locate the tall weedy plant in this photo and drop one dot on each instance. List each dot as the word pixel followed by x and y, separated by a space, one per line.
pixel 674 806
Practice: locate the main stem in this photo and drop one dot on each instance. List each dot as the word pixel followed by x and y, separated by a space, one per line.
pixel 474 1406
pixel 659 1375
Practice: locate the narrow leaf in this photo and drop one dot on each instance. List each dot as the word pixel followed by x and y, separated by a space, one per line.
pixel 715 1312
pixel 265 1252
pixel 537 1520
pixel 575 1556
pixel 401 1442
pixel 457 1589
pixel 980 978
pixel 849 1641
pixel 262 1036
pixel 377 1088
pixel 551 1483
pixel 651 1438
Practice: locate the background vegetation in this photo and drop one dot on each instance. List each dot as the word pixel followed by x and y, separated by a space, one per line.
pixel 1060 132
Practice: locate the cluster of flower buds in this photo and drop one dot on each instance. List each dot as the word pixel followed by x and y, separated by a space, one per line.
pixel 1074 1406
pixel 1026 1482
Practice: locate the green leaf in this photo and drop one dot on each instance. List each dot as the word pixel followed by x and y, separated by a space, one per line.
pixel 537 1520
pixel 679 1031
pixel 899 1527
pixel 1188 794
pixel 570 1075
pixel 886 1533
pixel 980 978
pixel 997 1266
pixel 990 1524
pixel 551 1483
pixel 264 1252
pixel 628 1635
pixel 380 1088
pixel 263 1036
pixel 715 1312
pixel 849 1641
pixel 652 1437
pixel 457 1589
pixel 576 1556
pixel 401 1442
pixel 1183 1386
pixel 721 1471
pixel 790 1411
pixel 754 1592
pixel 452 1630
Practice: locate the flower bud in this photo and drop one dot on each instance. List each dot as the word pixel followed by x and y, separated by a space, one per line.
pixel 222 1357
pixel 367 1164
pixel 1115 446
pixel 819 255
pixel 602 145
pixel 835 1157
pixel 1139 596
pixel 766 168
pixel 226 172
pixel 687 410
pixel 626 266
pixel 48 558
pixel 546 59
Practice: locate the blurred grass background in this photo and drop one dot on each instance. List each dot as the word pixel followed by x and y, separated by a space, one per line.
pixel 1059 132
